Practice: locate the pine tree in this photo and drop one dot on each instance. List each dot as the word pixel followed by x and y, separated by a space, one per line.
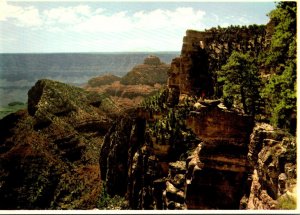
pixel 240 80
pixel 280 90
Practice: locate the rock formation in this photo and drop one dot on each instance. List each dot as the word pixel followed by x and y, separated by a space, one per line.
pixel 153 71
pixel 103 80
pixel 189 72
pixel 49 156
pixel 204 52
pixel 181 149
pixel 272 153
pixel 187 151
pixel 129 91
pixel 219 179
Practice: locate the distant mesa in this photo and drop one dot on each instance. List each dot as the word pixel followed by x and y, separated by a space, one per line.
pixel 103 80
pixel 153 71
pixel 143 80
pixel 152 60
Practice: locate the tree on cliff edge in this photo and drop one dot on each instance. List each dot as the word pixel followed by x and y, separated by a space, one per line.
pixel 240 80
pixel 280 90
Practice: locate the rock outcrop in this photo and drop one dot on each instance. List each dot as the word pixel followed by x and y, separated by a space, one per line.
pixel 103 80
pixel 49 156
pixel 156 174
pixel 153 71
pixel 218 170
pixel 190 151
pixel 204 52
pixel 129 91
pixel 272 153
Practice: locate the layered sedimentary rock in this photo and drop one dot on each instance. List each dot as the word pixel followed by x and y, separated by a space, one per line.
pixel 129 91
pixel 212 178
pixel 218 169
pixel 151 72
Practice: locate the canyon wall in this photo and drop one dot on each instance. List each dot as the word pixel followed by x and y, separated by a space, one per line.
pixel 186 150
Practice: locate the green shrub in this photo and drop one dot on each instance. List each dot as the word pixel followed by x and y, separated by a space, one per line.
pixel 106 202
pixel 287 202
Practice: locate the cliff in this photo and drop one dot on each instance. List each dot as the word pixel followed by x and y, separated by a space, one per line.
pixel 179 149
pixel 49 155
pixel 204 52
pixel 272 153
pixel 187 151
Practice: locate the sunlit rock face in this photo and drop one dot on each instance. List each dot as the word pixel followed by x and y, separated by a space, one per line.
pixel 189 72
pixel 218 169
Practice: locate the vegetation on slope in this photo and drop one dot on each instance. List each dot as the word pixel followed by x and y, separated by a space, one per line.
pixel 274 93
pixel 49 155
pixel 280 89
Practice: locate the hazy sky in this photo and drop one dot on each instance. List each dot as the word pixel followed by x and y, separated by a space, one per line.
pixel 99 26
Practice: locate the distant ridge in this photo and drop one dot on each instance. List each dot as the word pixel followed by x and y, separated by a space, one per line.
pixel 19 71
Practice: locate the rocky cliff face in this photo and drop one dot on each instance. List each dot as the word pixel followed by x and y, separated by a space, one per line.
pixel 214 176
pixel 49 156
pixel 187 151
pixel 204 52
pixel 272 153
pixel 219 179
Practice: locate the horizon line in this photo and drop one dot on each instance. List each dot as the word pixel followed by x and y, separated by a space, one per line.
pixel 108 52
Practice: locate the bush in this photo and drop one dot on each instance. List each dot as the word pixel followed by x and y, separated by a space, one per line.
pixel 106 202
pixel 287 202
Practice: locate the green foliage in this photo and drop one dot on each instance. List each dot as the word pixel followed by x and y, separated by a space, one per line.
pixel 280 90
pixel 287 202
pixel 170 128
pixel 107 202
pixel 157 102
pixel 283 42
pixel 240 80
pixel 224 41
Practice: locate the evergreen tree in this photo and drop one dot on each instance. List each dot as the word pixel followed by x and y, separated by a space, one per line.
pixel 280 89
pixel 240 80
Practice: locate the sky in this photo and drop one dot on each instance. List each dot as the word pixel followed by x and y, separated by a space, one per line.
pixel 115 26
